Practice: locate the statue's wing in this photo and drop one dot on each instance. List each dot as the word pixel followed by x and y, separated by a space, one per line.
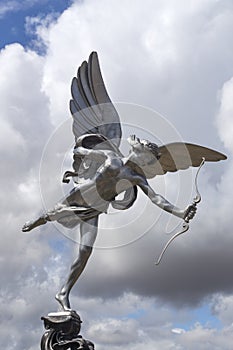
pixel 179 156
pixel 91 108
pixel 96 123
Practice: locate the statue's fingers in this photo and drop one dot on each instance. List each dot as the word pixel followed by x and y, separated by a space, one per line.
pixel 192 213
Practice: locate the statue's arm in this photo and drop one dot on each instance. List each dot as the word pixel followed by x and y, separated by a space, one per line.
pixel 97 155
pixel 162 203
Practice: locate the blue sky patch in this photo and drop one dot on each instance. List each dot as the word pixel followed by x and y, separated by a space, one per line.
pixel 13 16
pixel 203 316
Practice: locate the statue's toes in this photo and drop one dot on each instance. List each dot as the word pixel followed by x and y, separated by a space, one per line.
pixel 26 227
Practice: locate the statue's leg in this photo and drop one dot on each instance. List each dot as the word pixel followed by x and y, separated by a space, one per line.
pixel 88 232
pixel 35 223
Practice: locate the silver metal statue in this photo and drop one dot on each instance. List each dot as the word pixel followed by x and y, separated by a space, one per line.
pixel 101 171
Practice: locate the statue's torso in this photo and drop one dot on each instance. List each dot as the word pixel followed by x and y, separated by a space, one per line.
pixel 112 178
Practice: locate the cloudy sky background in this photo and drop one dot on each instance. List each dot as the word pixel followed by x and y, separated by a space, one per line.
pixel 171 57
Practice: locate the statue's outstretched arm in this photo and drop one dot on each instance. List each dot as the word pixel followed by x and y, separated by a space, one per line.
pixel 162 203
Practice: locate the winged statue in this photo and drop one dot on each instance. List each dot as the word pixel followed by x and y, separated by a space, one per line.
pixel 100 169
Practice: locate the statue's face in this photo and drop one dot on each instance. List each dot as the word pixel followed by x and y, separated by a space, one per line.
pixel 141 153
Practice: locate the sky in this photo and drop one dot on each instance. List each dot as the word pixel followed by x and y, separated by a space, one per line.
pixel 168 69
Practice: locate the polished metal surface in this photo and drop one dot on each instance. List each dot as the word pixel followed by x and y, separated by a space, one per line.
pixel 101 171
pixel 62 332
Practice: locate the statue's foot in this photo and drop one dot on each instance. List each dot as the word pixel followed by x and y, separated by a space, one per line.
pixel 63 300
pixel 28 226
pixel 35 223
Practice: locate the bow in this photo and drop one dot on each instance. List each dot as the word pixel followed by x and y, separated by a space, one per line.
pixel 185 225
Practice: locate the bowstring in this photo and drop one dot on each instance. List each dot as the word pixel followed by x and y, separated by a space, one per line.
pixel 185 225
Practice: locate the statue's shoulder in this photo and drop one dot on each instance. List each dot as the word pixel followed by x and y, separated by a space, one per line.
pixel 114 161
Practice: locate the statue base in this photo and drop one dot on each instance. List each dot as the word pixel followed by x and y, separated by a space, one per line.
pixel 62 332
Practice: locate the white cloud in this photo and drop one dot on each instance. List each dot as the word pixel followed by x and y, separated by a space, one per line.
pixel 172 57
pixel 224 119
pixel 223 307
pixel 206 338
pixel 114 332
pixel 178 330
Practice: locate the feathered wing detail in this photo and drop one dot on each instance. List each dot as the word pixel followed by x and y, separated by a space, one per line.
pixel 91 108
pixel 111 127
pixel 179 156
pixel 94 115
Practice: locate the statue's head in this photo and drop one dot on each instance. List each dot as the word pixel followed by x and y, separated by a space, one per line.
pixel 144 154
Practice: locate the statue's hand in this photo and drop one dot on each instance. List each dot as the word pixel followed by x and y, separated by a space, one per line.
pixel 190 212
